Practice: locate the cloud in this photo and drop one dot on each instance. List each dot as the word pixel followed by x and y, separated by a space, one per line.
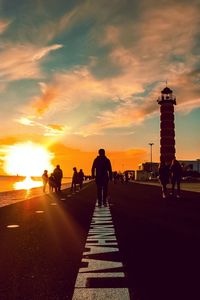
pixel 49 130
pixel 145 52
pixel 22 61
pixel 55 130
pixel 3 25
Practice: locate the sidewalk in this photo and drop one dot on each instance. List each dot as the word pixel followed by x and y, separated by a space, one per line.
pixel 185 186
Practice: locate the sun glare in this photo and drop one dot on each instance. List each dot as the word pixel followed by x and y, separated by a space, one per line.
pixel 27 159
pixel 27 184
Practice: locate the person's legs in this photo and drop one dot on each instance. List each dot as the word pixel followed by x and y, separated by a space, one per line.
pixel 81 184
pixel 105 192
pixel 173 185
pixel 178 188
pixel 99 194
pixel 164 189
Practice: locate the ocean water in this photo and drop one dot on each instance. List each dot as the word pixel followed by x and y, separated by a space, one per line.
pixel 8 195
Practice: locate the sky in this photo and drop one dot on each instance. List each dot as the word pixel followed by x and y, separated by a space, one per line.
pixel 76 76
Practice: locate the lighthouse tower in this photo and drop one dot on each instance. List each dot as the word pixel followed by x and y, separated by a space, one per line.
pixel 167 127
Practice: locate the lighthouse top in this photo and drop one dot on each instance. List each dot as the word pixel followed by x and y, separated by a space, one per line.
pixel 166 97
pixel 166 91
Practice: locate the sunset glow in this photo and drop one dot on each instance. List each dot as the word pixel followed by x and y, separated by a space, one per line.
pixel 27 159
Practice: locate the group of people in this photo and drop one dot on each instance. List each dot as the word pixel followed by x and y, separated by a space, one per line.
pixel 102 173
pixel 171 173
pixel 77 178
pixel 54 180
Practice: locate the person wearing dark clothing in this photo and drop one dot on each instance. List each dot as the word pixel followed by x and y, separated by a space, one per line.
pixel 45 180
pixel 58 175
pixel 52 183
pixel 75 180
pixel 102 172
pixel 126 177
pixel 176 175
pixel 80 178
pixel 115 177
pixel 164 177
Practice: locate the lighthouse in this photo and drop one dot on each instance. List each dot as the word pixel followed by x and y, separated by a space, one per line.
pixel 167 127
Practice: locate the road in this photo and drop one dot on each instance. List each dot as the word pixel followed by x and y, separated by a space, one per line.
pixel 153 250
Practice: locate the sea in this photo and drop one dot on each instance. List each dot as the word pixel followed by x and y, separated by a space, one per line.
pixel 10 195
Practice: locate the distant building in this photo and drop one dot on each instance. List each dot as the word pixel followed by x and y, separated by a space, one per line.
pixel 149 167
pixel 141 175
pixel 190 165
pixel 131 174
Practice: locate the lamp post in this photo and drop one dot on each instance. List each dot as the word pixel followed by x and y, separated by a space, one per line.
pixel 151 145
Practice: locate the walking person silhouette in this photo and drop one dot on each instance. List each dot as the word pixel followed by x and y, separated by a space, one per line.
pixel 75 180
pixel 80 178
pixel 102 172
pixel 58 175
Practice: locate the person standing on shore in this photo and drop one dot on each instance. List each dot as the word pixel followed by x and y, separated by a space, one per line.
pixel 52 183
pixel 176 175
pixel 75 180
pixel 58 175
pixel 102 172
pixel 80 178
pixel 164 177
pixel 45 179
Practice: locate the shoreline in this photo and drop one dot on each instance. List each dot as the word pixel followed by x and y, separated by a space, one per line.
pixel 14 196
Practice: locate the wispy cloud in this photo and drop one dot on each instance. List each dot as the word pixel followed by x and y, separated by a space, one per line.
pixel 3 25
pixel 145 52
pixel 22 61
pixel 49 129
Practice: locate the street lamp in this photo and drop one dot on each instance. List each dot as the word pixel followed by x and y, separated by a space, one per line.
pixel 151 144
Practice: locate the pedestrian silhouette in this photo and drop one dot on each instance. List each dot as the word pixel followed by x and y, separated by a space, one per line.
pixel 52 183
pixel 102 172
pixel 75 180
pixel 58 175
pixel 80 178
pixel 163 171
pixel 176 175
pixel 45 179
pixel 126 177
pixel 115 177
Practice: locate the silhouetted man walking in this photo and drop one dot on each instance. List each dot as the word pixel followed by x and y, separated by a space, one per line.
pixel 102 172
pixel 58 175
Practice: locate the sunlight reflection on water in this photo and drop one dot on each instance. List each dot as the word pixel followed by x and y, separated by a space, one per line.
pixel 27 184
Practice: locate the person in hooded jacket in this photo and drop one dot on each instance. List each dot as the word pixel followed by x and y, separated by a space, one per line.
pixel 102 172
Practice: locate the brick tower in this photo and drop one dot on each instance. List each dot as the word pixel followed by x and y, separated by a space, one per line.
pixel 167 127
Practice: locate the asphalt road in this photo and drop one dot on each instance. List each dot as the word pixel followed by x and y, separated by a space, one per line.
pixel 158 240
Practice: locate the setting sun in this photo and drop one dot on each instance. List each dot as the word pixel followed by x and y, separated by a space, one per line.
pixel 27 159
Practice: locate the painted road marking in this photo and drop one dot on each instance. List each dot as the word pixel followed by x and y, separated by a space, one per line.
pixel 101 273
